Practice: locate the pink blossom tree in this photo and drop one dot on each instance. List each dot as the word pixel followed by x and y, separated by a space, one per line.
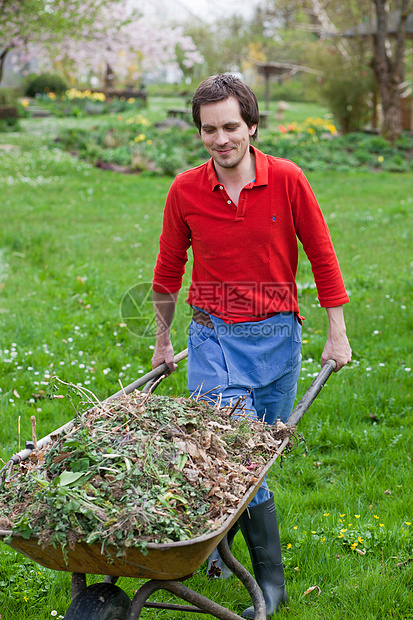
pixel 90 38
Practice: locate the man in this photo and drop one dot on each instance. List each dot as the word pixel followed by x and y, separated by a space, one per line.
pixel 242 212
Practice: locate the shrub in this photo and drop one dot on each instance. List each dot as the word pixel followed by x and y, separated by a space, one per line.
pixel 8 96
pixel 346 87
pixel 45 83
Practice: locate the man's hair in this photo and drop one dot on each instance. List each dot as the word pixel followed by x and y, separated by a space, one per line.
pixel 220 87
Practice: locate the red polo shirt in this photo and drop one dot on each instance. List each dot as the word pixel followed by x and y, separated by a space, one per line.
pixel 245 257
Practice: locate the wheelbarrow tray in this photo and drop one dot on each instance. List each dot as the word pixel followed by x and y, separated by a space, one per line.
pixel 163 561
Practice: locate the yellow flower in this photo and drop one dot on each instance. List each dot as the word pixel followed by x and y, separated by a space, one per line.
pixel 340 536
pixel 381 524
pixel 149 142
pixel 25 102
pixel 343 530
pixel 354 545
pixel 350 524
pixel 380 159
pixel 375 516
pixel 360 540
pixel 407 523
pixel 295 527
pixel 326 514
pixel 322 539
pixel 140 137
pixel 131 100
pixel 289 546
pixel 99 97
pixel 313 532
pixel 25 598
pixel 343 515
pixel 357 516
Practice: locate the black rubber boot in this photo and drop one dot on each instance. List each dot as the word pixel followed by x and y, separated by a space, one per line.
pixel 259 527
pixel 216 567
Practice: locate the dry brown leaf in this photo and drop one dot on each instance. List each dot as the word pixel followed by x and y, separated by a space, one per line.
pixel 311 589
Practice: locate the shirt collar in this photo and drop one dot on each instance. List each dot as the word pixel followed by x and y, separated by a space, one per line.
pixel 261 168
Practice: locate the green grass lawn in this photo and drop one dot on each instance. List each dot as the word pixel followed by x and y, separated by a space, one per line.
pixel 75 239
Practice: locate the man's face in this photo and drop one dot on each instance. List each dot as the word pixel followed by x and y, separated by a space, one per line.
pixel 224 133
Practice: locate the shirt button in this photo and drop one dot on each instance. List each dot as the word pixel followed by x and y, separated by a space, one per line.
pixel 229 202
pixel 221 187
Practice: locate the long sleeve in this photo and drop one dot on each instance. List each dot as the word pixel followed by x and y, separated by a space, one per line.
pixel 174 242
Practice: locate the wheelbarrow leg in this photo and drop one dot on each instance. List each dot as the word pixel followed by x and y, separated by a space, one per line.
pixel 246 579
pixel 78 584
pixel 202 604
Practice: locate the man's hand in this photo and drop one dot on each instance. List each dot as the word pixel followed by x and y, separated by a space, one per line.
pixel 164 353
pixel 164 306
pixel 337 346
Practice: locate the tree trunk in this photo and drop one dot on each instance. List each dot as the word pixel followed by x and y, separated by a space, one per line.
pixel 3 55
pixel 387 64
pixel 109 78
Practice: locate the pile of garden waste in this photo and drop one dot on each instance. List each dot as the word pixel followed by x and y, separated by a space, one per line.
pixel 142 468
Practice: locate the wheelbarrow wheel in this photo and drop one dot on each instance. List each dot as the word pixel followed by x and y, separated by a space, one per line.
pixel 100 601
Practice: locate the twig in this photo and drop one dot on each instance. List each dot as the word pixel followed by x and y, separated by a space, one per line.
pixel 240 399
pixel 122 388
pixel 34 438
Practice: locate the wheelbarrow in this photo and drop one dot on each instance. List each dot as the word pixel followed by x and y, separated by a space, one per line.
pixel 165 565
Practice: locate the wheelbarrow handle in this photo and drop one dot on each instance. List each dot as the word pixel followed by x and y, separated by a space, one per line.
pixel 312 393
pixel 150 377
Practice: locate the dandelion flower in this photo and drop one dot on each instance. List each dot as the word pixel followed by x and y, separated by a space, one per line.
pixel 357 516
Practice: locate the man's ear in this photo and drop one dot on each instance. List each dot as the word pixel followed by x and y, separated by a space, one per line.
pixel 252 130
